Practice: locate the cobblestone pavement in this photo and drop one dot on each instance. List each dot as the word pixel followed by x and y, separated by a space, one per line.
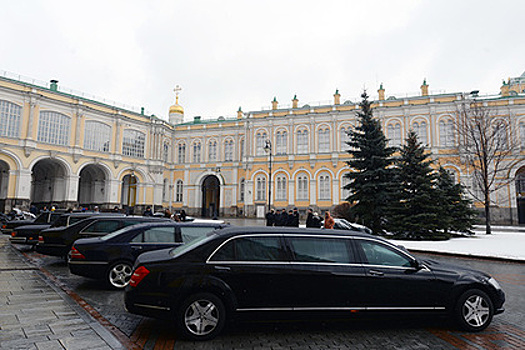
pixel 506 332
pixel 35 314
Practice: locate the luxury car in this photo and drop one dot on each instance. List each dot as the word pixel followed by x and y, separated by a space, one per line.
pixel 44 218
pixel 58 241
pixel 28 234
pixel 111 257
pixel 241 271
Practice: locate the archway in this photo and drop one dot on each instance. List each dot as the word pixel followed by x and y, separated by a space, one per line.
pixel 92 186
pixel 211 190
pixel 4 184
pixel 129 192
pixel 520 194
pixel 48 183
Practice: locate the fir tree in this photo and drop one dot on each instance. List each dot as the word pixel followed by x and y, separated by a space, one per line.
pixel 416 210
pixel 371 176
pixel 457 212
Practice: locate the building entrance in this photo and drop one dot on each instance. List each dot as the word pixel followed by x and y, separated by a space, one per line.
pixel 210 196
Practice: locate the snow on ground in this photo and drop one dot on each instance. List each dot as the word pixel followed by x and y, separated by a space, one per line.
pixel 505 244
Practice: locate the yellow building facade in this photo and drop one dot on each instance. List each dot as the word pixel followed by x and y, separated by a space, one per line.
pixel 61 149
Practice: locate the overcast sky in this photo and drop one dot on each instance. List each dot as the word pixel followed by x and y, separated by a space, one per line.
pixel 227 54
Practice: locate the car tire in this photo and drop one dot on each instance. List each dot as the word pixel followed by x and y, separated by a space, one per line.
pixel 201 317
pixel 474 310
pixel 119 274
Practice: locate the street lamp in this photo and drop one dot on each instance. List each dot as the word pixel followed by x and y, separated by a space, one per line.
pixel 268 149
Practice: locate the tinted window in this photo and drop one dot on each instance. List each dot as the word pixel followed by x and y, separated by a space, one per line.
pixel 379 254
pixel 320 249
pixel 189 233
pixel 61 221
pixel 251 249
pixel 42 218
pixel 73 219
pixel 133 222
pixel 159 235
pixel 103 226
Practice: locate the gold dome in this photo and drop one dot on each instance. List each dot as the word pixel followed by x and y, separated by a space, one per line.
pixel 176 108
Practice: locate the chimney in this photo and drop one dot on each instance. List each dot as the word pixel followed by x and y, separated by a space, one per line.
pixel 274 103
pixel 54 85
pixel 295 101
pixel 424 88
pixel 239 113
pixel 337 97
pixel 381 92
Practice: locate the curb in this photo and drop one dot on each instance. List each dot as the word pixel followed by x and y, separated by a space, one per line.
pixel 469 256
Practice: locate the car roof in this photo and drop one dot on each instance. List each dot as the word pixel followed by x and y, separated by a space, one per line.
pixel 241 230
pixel 168 222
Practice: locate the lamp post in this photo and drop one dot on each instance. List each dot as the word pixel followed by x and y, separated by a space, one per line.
pixel 268 149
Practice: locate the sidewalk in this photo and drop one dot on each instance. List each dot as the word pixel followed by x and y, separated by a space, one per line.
pixel 35 314
pixel 505 243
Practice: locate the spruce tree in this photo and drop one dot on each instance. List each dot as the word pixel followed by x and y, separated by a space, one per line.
pixel 416 211
pixel 371 176
pixel 457 212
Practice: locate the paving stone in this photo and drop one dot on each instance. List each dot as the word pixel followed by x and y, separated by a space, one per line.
pixel 49 345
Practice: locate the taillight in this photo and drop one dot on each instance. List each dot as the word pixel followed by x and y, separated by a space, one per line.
pixel 4 226
pixel 13 234
pixel 75 254
pixel 138 275
pixel 40 239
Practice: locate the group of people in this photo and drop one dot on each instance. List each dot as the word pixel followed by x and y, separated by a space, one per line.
pixel 181 216
pixel 281 218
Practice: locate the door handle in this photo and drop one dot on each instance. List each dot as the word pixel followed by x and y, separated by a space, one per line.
pixel 375 273
pixel 136 247
pixel 222 268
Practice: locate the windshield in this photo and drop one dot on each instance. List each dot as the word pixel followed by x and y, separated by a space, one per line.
pixel 182 249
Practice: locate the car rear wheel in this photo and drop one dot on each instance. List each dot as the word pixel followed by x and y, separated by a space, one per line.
pixel 474 310
pixel 201 317
pixel 119 274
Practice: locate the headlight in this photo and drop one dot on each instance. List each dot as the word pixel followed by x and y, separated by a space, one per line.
pixel 494 283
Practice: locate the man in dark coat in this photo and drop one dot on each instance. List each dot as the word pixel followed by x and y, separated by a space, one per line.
pixel 290 219
pixel 148 212
pixel 295 217
pixel 309 218
pixel 270 218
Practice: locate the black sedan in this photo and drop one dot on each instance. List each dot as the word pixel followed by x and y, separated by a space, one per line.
pixel 253 271
pixel 111 257
pixel 58 241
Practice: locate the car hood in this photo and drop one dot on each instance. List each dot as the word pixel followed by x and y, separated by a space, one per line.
pixel 439 267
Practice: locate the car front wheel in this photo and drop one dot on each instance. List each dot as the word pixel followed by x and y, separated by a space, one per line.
pixel 119 274
pixel 474 310
pixel 201 317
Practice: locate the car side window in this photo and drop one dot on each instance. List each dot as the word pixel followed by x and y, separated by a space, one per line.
pixel 130 222
pixel 189 233
pixel 103 226
pixel 159 235
pixel 321 249
pixel 251 249
pixel 380 254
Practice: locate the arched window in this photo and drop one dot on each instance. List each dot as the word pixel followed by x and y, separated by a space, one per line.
pixel 96 136
pixel 302 141
pixel 446 133
pixel 280 140
pixel 260 193
pixel 196 152
pixel 345 192
pixel 324 140
pixel 302 188
pixel 182 153
pixel 522 134
pixel 228 150
pixel 54 128
pixel 324 187
pixel 242 187
pixel 421 130
pixel 280 193
pixel 166 152
pixel 133 143
pixel 179 188
pixel 344 138
pixel 394 134
pixel 212 151
pixel 261 142
pixel 10 115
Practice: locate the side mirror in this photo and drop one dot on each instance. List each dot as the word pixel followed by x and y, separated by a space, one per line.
pixel 417 264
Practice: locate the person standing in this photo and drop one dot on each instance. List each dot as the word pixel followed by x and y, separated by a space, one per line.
pixel 270 218
pixel 295 217
pixel 309 218
pixel 147 212
pixel 329 221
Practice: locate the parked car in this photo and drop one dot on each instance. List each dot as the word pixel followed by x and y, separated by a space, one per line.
pixel 111 257
pixel 44 218
pixel 28 234
pixel 301 272
pixel 343 224
pixel 58 241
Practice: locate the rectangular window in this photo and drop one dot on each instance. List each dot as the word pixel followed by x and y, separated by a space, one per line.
pixel 10 115
pixel 133 143
pixel 97 136
pixel 54 128
pixel 321 250
pixel 160 235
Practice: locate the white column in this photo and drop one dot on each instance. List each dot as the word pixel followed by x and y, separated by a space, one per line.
pixel 313 192
pixel 336 190
pixel 114 192
pixel 71 185
pixel 291 192
pixel 23 183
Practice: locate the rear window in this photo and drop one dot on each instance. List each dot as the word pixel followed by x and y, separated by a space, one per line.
pixel 321 250
pixel 190 233
pixel 182 249
pixel 251 249
pixel 102 226
pixel 161 234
